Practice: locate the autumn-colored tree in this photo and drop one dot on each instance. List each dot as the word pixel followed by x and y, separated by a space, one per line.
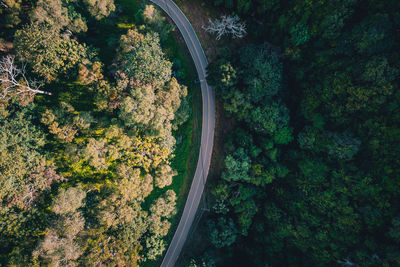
pixel 100 8
pixel 132 185
pixel 95 153
pixel 90 73
pixel 60 244
pixel 65 123
pixel 165 205
pixel 47 52
pixel 163 175
pixel 56 14
pixel 68 201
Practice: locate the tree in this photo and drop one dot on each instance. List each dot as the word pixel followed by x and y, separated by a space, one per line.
pixel 95 153
pixel 226 3
pixel 146 153
pixel 90 73
pixel 283 136
pixel 378 71
pixel 307 138
pixel 182 114
pixel 56 14
pixel 344 97
pixel 394 231
pixel 250 82
pixel 164 174
pixel 143 60
pixel 47 52
pixel 165 205
pixel 13 82
pixel 155 247
pixel 65 123
pixel 104 249
pixel 371 35
pixel 154 97
pixel 264 78
pixel 152 113
pixel 300 34
pixel 167 103
pixel 132 185
pixel 15 225
pixel 152 17
pixel 60 244
pixel 344 146
pixel 55 249
pixel 207 260
pixel 24 171
pixel 222 232
pixel 118 239
pixel 334 22
pixel 158 226
pixel 237 167
pixel 68 201
pixel 246 210
pixel 115 211
pixel 139 108
pixel 269 119
pixel 100 9
pixel 222 75
pixel 227 25
pixel 171 95
pixel 162 209
pixel 10 12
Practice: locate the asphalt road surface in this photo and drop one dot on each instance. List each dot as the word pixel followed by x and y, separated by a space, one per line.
pixel 207 131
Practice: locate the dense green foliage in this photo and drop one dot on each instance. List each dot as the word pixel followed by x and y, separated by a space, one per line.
pixel 311 173
pixel 311 169
pixel 146 56
pixel 48 52
pixel 24 170
pixel 85 169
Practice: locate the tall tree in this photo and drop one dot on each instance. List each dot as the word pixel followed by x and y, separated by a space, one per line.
pixel 25 172
pixel 60 245
pixel 143 59
pixel 48 53
pixel 100 8
pixel 57 14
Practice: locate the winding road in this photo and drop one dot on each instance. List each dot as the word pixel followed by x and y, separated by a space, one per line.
pixel 207 131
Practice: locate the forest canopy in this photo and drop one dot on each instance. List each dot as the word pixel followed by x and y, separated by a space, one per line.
pixel 91 98
pixel 311 166
pixel 88 111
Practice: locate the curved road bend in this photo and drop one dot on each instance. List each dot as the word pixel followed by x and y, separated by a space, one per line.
pixel 207 131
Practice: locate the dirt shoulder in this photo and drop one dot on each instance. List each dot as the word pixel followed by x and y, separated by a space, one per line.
pixel 198 15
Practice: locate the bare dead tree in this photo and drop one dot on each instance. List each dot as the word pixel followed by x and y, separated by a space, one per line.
pixel 2 3
pixel 346 262
pixel 225 26
pixel 13 80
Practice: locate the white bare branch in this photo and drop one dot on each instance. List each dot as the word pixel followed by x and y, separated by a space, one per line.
pixel 225 26
pixel 3 4
pixel 13 80
pixel 346 262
